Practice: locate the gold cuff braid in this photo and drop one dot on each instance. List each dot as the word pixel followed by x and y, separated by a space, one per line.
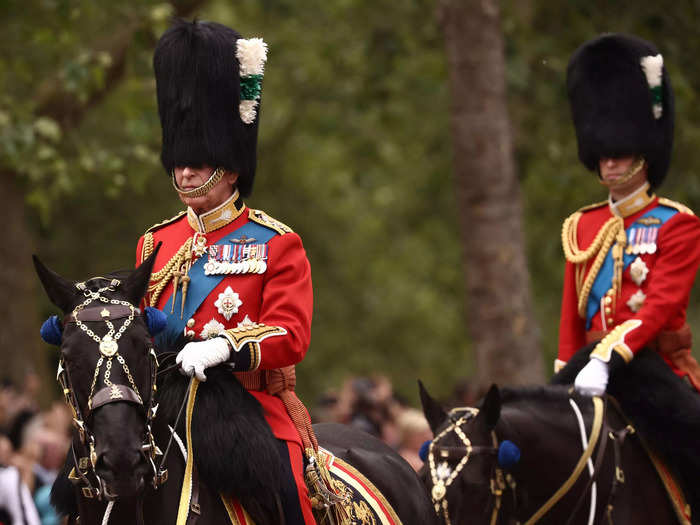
pixel 615 342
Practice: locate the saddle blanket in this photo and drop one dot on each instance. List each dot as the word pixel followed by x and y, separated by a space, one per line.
pixel 673 489
pixel 364 504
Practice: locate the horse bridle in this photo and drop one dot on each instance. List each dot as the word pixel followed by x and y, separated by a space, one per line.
pixel 499 482
pixel 111 310
pixel 442 475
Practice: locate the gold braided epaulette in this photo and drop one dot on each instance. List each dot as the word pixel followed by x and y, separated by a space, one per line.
pixel 147 248
pixel 676 205
pixel 593 206
pixel 264 219
pixel 166 221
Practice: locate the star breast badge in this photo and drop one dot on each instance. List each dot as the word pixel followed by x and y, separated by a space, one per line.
pixel 636 301
pixel 211 329
pixel 638 271
pixel 228 303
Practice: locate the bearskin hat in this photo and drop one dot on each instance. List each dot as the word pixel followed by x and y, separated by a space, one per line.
pixel 622 102
pixel 198 84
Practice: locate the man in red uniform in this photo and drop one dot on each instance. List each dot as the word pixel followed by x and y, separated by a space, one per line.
pixel 631 260
pixel 231 279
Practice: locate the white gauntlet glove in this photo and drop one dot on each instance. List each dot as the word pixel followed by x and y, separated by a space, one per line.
pixel 592 380
pixel 195 357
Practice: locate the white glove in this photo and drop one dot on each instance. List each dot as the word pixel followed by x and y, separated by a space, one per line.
pixel 593 378
pixel 195 357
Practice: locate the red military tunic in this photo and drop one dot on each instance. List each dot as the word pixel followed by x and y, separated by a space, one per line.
pixel 661 256
pixel 263 307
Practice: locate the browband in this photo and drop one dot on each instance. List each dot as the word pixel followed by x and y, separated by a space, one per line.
pixel 101 313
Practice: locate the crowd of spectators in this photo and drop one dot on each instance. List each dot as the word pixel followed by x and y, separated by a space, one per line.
pixel 33 446
pixel 370 404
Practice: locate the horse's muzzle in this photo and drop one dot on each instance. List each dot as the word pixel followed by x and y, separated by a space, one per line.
pixel 123 474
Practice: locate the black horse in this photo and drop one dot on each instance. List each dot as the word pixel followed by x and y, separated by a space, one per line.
pixel 115 472
pixel 504 462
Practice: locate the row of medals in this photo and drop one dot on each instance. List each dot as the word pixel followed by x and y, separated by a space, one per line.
pixel 214 267
pixel 642 240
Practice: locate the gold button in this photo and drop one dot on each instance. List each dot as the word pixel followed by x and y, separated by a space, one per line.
pixel 190 323
pixel 608 310
pixel 610 321
pixel 608 300
pixel 610 292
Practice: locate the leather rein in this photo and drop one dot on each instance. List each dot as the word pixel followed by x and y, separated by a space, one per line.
pixel 83 473
pixel 442 475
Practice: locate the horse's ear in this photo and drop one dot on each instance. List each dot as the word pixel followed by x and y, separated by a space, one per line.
pixel 491 407
pixel 60 291
pixel 434 413
pixel 135 286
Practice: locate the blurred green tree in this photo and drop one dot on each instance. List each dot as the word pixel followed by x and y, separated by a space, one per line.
pixel 355 154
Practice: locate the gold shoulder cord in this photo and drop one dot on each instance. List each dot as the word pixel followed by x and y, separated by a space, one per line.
pixel 147 248
pixel 175 268
pixel 613 231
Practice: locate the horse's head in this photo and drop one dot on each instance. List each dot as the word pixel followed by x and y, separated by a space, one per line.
pixel 465 457
pixel 107 371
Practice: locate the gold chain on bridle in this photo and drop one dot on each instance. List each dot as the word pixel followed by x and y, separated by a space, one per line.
pixel 498 482
pixel 442 475
pixel 109 348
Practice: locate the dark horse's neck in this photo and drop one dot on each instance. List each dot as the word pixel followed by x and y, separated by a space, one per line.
pixel 544 425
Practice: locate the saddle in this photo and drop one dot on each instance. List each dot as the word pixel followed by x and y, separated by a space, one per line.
pixel 667 420
pixel 361 501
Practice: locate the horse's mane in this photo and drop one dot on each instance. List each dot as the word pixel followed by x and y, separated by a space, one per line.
pixel 536 393
pixel 235 450
pixel 661 406
pixel 63 492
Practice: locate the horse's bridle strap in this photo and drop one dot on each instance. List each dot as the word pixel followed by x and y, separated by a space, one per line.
pixel 114 393
pixel 458 452
pixel 100 313
pixel 595 434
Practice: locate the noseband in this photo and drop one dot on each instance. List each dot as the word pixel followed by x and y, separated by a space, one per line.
pixel 108 346
pixel 442 476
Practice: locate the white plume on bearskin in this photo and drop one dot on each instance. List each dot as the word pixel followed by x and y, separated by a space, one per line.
pixel 653 67
pixel 252 55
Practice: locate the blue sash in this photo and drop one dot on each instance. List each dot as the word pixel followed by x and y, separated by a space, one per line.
pixel 603 280
pixel 201 285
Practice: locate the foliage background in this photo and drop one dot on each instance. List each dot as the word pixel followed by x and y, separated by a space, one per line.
pixel 354 154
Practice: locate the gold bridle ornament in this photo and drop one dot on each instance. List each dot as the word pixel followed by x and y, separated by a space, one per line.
pixel 109 349
pixel 212 181
pixel 500 482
